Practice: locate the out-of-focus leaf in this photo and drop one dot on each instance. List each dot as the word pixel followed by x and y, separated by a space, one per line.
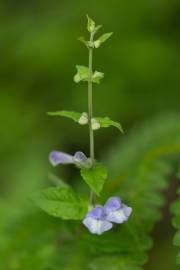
pixel 57 181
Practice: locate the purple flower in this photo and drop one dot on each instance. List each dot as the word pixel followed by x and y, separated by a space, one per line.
pixel 78 159
pixel 116 211
pixel 96 222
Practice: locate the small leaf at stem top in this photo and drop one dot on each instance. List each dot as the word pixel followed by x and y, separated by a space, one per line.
pixel 102 39
pixel 90 24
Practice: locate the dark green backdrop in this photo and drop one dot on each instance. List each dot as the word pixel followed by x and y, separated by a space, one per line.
pixel 38 54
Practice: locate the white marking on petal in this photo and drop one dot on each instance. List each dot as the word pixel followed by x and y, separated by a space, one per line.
pixel 105 226
pixel 127 210
pixel 116 216
pixel 96 226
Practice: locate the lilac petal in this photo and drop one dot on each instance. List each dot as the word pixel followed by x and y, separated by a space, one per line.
pixel 57 157
pixel 117 216
pixel 97 226
pixel 127 210
pixel 97 212
pixel 80 157
pixel 112 204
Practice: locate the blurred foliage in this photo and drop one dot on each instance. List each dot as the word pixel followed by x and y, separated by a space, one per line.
pixel 176 223
pixel 140 167
pixel 38 51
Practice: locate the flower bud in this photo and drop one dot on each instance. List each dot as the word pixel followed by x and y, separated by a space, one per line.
pixel 83 120
pixel 95 124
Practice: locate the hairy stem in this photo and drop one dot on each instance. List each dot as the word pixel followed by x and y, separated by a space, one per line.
pixel 90 112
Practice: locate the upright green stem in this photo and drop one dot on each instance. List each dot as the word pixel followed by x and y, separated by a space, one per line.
pixel 90 110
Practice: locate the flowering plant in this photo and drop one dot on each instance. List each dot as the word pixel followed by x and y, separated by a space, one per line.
pixel 62 201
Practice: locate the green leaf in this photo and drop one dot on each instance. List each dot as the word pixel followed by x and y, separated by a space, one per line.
pixel 176 240
pixel 81 118
pixel 97 76
pixel 69 114
pixel 97 28
pixel 95 177
pixel 175 207
pixel 90 24
pixel 61 202
pixel 178 258
pixel 82 74
pixel 178 173
pixel 112 262
pixel 107 122
pixel 102 39
pixel 82 39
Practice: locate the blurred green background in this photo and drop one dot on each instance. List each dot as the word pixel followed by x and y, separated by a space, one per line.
pixel 38 54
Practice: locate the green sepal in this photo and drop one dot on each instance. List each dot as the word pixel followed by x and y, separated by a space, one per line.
pixel 107 122
pixel 102 39
pixel 95 177
pixel 90 24
pixel 61 202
